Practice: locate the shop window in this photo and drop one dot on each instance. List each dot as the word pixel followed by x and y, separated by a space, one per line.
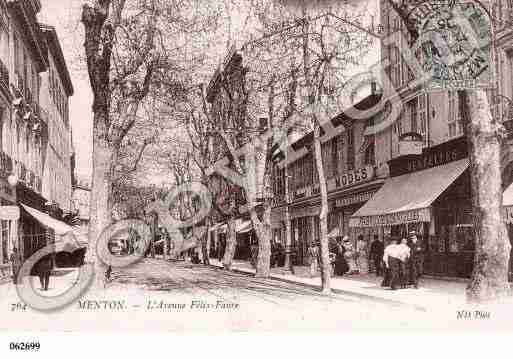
pixel 369 154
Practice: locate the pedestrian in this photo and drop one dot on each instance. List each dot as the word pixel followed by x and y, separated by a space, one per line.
pixel 274 254
pixel 404 256
pixel 376 254
pixel 16 264
pixel 391 258
pixel 416 262
pixel 341 266
pixel 45 266
pixel 350 255
pixel 313 259
pixel 362 262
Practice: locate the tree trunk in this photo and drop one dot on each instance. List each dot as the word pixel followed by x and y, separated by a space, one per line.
pixel 325 257
pixel 205 248
pixel 165 246
pixel 288 240
pixel 231 243
pixel 490 275
pixel 101 200
pixel 288 231
pixel 263 233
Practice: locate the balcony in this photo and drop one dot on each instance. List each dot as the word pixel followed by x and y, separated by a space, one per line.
pixel 4 75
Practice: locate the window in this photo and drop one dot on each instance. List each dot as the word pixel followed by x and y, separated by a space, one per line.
pixel 412 113
pixel 350 149
pixel 369 154
pixel 454 118
pixel 423 115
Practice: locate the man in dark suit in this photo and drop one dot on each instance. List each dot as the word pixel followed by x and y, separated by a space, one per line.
pixel 376 253
pixel 45 266
pixel 415 263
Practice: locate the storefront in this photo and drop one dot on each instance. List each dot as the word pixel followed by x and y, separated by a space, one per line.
pixel 304 230
pixel 347 194
pixel 33 235
pixel 430 194
pixel 9 219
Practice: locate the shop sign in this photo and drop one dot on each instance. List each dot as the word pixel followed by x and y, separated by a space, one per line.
pixel 352 178
pixel 353 199
pixel 413 216
pixel 410 143
pixel 9 213
pixel 305 212
pixel 431 157
pixel 409 147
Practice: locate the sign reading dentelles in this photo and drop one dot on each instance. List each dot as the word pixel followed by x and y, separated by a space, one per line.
pixel 455 37
pixel 413 216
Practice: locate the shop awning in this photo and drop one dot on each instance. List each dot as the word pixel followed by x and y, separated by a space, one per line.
pixel 407 198
pixel 60 228
pixel 244 227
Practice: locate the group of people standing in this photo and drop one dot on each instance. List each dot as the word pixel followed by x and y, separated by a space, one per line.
pixel 400 262
pixel 403 262
pixel 345 257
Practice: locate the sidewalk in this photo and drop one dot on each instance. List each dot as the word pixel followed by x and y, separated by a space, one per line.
pixel 432 292
pixel 60 281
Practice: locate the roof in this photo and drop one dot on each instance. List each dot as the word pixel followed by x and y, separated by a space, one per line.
pixel 54 47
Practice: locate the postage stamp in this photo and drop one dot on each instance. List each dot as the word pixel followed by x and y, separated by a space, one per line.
pixel 456 42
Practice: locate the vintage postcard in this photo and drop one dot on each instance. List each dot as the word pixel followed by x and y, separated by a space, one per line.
pixel 255 165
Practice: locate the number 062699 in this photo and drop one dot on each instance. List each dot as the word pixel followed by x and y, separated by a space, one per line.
pixel 25 346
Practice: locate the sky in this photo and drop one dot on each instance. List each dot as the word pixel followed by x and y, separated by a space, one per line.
pixel 64 15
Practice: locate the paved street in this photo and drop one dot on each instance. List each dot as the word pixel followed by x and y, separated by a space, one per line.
pixel 159 295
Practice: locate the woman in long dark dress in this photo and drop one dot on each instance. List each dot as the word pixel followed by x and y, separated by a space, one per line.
pixel 341 266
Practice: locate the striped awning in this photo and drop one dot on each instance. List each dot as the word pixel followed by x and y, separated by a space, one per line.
pixel 408 198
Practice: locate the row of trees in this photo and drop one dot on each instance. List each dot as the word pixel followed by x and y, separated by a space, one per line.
pixel 149 63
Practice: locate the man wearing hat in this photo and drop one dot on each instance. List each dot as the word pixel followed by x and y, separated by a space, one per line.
pixel 416 259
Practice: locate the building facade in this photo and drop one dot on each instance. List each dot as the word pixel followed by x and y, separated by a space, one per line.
pixel 27 51
pixel 428 189
pixel 81 202
pixel 56 88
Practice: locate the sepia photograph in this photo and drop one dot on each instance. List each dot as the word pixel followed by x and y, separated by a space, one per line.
pixel 255 166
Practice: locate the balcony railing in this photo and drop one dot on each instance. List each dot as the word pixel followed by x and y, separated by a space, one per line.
pixel 4 74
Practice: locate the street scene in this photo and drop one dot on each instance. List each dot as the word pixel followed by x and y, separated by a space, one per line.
pixel 256 164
